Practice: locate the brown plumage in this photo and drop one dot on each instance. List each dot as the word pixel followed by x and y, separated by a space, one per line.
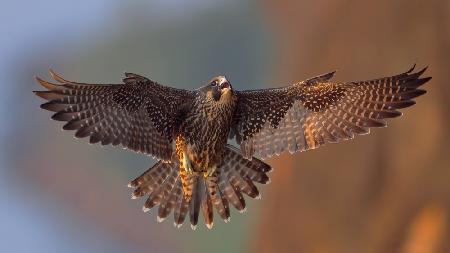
pixel 187 131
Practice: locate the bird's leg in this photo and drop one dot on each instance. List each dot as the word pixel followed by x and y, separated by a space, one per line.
pixel 210 171
pixel 187 165
pixel 183 157
pixel 186 175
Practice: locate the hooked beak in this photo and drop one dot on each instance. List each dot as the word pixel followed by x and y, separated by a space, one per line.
pixel 216 93
pixel 225 85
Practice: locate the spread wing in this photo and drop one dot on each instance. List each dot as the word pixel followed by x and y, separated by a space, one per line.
pixel 140 114
pixel 311 113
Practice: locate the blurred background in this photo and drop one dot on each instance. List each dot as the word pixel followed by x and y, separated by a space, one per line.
pixel 384 192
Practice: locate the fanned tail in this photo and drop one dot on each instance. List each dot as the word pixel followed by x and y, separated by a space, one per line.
pixel 235 177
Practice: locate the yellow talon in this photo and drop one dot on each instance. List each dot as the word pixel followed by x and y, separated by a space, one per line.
pixel 209 172
pixel 187 164
pixel 188 168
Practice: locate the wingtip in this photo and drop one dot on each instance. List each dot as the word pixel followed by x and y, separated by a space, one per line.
pixel 420 72
pixel 425 80
pixel 47 95
pixel 56 76
pixel 38 79
pixel 411 68
pixel 425 68
pixel 39 94
pixel 330 74
pixel 47 85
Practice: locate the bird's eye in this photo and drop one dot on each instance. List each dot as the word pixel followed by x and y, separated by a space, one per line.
pixel 213 83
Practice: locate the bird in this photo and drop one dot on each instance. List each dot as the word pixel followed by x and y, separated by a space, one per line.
pixel 188 131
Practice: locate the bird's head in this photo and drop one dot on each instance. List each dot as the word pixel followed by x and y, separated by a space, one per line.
pixel 218 89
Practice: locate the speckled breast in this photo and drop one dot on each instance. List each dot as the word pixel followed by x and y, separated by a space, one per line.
pixel 203 136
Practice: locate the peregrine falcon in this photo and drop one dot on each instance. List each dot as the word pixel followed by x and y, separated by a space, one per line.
pixel 187 131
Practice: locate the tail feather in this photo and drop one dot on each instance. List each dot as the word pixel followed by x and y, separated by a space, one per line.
pixel 207 210
pixel 260 177
pixel 250 189
pixel 169 200
pixel 195 202
pixel 181 209
pixel 226 207
pixel 219 202
pixel 158 195
pixel 150 180
pixel 229 194
pixel 240 183
pixel 188 182
pixel 163 184
pixel 233 195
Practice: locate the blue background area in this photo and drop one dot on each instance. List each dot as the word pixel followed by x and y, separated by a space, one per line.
pixel 183 43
